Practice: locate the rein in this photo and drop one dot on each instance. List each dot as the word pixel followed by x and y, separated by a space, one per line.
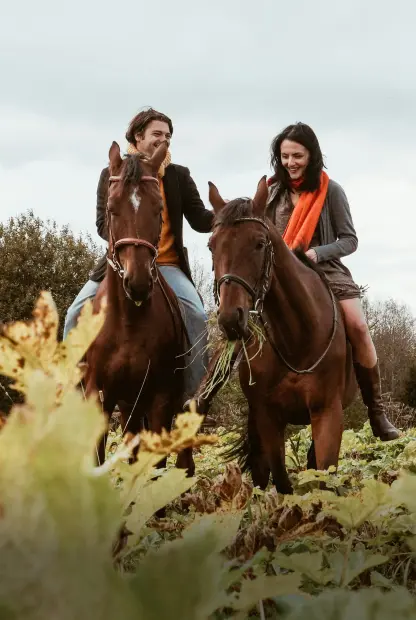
pixel 258 295
pixel 136 241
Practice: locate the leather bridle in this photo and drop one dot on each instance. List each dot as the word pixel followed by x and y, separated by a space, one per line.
pixel 126 241
pixel 259 292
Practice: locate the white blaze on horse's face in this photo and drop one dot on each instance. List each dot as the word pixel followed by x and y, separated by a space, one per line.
pixel 135 199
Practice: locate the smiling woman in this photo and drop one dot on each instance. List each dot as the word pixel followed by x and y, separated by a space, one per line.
pixel 312 213
pixel 295 158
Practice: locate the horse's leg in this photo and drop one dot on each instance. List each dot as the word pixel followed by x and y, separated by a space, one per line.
pixel 160 414
pixel 256 459
pixel 107 407
pixel 272 434
pixel 106 404
pixel 132 422
pixel 185 460
pixel 311 458
pixel 327 427
pixel 276 457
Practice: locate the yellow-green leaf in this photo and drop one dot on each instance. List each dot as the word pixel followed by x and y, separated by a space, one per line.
pixel 264 587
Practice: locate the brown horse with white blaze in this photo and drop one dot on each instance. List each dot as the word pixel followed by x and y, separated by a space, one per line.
pixel 304 373
pixel 134 359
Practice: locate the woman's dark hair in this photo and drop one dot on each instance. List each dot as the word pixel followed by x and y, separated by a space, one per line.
pixel 304 135
pixel 139 123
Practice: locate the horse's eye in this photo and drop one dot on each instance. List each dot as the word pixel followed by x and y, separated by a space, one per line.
pixel 260 245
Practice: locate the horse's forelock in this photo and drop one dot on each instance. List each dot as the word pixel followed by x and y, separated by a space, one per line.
pixel 234 210
pixel 132 169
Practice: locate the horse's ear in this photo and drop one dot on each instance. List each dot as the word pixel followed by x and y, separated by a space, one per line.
pixel 158 157
pixel 115 157
pixel 260 199
pixel 215 197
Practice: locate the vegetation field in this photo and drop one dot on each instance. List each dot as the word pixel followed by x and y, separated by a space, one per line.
pixel 79 541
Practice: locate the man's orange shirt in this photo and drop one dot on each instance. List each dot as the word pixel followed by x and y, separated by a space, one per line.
pixel 167 252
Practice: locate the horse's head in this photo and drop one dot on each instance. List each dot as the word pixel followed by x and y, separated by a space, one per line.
pixel 242 257
pixel 134 216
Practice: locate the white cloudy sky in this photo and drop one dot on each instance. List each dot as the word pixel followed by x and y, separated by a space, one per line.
pixel 231 74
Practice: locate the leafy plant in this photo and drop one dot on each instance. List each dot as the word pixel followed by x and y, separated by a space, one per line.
pixel 61 515
pixel 80 541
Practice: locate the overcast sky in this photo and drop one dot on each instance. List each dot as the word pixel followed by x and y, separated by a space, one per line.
pixel 231 74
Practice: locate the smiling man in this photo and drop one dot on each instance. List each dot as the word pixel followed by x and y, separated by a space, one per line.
pixel 180 198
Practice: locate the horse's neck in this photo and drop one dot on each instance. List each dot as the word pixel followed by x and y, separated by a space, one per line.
pixel 295 302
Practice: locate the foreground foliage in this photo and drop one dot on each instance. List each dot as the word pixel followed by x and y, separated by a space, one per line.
pixel 223 550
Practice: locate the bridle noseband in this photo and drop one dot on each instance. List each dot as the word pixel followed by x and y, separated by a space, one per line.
pixel 136 241
pixel 258 294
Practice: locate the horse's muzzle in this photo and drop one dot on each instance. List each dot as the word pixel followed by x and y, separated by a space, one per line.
pixel 138 290
pixel 234 323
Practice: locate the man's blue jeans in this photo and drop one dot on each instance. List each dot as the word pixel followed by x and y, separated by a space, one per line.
pixel 195 321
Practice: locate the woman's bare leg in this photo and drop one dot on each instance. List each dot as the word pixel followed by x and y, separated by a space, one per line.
pixel 366 368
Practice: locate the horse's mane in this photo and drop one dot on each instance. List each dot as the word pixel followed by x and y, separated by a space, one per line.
pixel 243 207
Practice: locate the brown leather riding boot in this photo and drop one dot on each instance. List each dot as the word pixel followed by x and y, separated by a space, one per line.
pixel 369 383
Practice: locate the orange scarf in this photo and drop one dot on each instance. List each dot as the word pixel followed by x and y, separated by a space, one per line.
pixel 304 219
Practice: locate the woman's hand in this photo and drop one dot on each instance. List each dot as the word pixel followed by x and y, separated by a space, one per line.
pixel 312 255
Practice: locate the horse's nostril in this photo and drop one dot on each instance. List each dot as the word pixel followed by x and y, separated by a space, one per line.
pixel 240 313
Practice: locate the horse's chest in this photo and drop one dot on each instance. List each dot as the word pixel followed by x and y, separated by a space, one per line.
pixel 131 360
pixel 288 393
pixel 291 391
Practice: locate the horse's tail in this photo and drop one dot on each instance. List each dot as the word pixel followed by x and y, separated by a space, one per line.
pixel 244 447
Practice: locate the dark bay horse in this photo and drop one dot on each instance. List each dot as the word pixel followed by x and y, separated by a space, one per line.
pixel 134 359
pixel 304 373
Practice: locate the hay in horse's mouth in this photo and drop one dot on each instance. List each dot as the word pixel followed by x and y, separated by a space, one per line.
pixel 256 331
pixel 222 372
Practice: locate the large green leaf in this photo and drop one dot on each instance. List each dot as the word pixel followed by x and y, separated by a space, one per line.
pixel 354 510
pixel 404 491
pixel 345 566
pixel 263 587
pixel 59 518
pixel 183 578
pixel 225 525
pixel 308 564
pixel 363 605
pixel 155 495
